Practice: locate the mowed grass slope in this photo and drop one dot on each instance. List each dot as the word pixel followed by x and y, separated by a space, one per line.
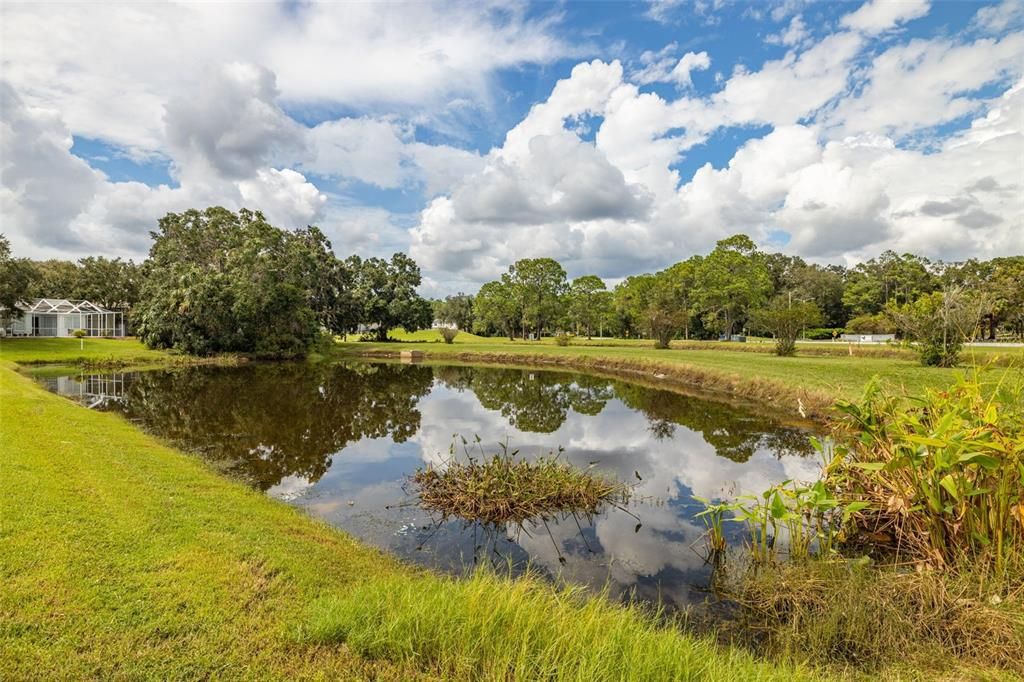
pixel 120 557
pixel 123 558
pixel 70 351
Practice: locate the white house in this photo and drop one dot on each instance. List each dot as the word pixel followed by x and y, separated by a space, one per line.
pixel 61 317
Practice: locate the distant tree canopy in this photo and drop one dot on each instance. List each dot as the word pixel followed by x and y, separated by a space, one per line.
pixel 719 293
pixel 386 294
pixel 15 281
pixel 588 302
pixel 457 310
pixel 108 282
pixel 495 310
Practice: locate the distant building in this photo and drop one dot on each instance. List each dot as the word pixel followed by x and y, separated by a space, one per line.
pixel 61 317
pixel 869 338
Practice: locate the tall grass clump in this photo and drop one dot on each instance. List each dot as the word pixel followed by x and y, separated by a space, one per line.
pixel 504 489
pixel 909 546
pixel 836 613
pixel 487 627
pixel 940 477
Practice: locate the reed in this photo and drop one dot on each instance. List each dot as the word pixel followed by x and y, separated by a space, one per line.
pixel 507 489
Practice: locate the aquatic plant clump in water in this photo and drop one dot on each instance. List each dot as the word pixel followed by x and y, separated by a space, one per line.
pixel 505 489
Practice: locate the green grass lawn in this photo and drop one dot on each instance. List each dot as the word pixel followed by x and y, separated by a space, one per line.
pixel 123 558
pixel 433 335
pixel 760 376
pixel 70 351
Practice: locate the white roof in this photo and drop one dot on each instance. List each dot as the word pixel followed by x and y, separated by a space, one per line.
pixel 44 306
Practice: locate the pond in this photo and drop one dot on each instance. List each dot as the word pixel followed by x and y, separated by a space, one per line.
pixel 341 440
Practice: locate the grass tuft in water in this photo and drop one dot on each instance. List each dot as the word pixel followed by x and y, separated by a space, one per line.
pixel 505 489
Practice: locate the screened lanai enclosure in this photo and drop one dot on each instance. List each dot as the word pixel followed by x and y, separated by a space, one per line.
pixel 61 317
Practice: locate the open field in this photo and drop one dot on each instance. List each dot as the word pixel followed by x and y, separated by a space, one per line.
pixel 121 557
pixel 69 351
pixel 816 381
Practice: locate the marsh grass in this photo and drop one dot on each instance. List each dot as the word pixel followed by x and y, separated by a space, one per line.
pixel 932 488
pixel 851 613
pixel 487 627
pixel 504 489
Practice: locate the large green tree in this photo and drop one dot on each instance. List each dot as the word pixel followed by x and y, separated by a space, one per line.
pixel 939 323
pixel 218 281
pixel 457 310
pixel 1004 289
pixel 329 281
pixel 110 283
pixel 587 302
pixel 386 292
pixel 658 304
pixel 494 310
pixel 785 318
pixel 733 279
pixel 54 279
pixel 538 286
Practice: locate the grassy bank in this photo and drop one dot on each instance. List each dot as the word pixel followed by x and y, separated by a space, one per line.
pixel 814 382
pixel 70 352
pixel 121 557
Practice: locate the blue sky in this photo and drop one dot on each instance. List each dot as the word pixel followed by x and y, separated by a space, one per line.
pixel 616 137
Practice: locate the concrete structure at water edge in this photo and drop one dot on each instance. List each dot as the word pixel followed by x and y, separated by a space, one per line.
pixel 56 317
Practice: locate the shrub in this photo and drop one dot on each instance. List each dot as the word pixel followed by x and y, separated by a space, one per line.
pixel 939 323
pixel 838 613
pixel 562 339
pixel 870 324
pixel 448 334
pixel 942 481
pixel 936 483
pixel 785 318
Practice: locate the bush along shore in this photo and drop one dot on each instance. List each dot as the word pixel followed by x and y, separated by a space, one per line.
pixel 909 548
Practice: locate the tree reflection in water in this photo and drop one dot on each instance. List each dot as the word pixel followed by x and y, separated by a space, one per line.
pixel 264 422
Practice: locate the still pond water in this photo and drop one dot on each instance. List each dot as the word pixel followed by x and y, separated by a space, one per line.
pixel 341 440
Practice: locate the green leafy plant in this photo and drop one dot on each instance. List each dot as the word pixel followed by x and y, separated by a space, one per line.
pixel 448 334
pixel 941 480
pixel 713 516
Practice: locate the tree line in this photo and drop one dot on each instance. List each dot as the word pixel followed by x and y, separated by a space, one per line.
pixel 218 281
pixel 739 288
